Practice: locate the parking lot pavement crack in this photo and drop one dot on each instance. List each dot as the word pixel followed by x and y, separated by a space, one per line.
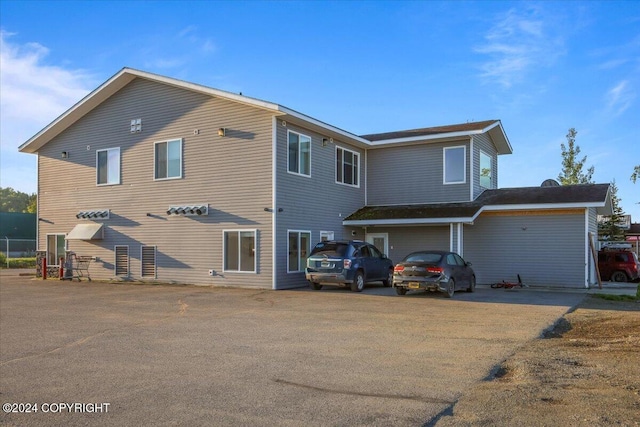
pixel 357 393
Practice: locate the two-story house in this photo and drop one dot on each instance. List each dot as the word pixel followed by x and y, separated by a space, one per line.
pixel 162 179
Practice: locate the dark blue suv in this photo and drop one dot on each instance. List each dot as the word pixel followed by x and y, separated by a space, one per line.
pixel 347 263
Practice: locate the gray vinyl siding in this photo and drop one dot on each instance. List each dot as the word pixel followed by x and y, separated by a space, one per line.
pixel 315 203
pixel 413 174
pixel 546 250
pixel 404 240
pixel 483 143
pixel 592 227
pixel 231 174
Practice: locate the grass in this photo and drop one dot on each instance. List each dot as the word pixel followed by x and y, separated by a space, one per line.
pixel 28 262
pixel 610 297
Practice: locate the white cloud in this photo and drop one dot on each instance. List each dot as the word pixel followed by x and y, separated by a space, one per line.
pixel 518 43
pixel 620 97
pixel 33 94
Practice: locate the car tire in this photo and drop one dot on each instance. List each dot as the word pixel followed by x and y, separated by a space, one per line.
pixel 619 276
pixel 389 279
pixel 316 286
pixel 472 285
pixel 358 282
pixel 401 290
pixel 451 288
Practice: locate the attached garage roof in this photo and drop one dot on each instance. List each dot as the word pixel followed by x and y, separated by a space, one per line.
pixel 504 199
pixel 86 232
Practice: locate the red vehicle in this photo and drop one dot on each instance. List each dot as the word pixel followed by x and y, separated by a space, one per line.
pixel 618 265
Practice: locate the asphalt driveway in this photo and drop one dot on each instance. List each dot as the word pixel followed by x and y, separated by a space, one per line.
pixel 187 355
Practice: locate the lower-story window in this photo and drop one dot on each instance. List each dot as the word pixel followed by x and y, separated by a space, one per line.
pixel 239 251
pixel 299 247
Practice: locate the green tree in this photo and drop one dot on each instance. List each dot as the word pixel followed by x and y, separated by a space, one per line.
pixel 636 174
pixel 571 166
pixel 17 201
pixel 609 229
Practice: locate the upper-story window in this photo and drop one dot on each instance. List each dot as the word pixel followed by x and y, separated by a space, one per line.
pixel 299 154
pixel 108 166
pixel 455 165
pixel 486 168
pixel 168 159
pixel 347 167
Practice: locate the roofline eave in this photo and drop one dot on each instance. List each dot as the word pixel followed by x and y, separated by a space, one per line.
pixel 407 221
pixel 470 220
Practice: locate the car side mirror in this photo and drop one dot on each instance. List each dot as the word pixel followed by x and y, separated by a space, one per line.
pixel 468 264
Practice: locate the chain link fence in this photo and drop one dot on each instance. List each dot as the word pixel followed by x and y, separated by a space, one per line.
pixel 17 248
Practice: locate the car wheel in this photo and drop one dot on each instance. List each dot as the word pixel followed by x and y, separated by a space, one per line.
pixel 316 286
pixel 358 282
pixel 472 285
pixel 401 291
pixel 619 276
pixel 389 279
pixel 451 288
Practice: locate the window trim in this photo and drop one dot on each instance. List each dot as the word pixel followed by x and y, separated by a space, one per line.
pixel 289 132
pixel 301 262
pixel 119 180
pixel 255 250
pixel 155 160
pixel 480 170
pixel 464 165
pixel 342 163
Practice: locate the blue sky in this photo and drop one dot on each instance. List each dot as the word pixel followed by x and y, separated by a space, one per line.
pixel 366 67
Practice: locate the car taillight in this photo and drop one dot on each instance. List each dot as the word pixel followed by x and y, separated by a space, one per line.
pixel 398 268
pixel 436 270
pixel 347 263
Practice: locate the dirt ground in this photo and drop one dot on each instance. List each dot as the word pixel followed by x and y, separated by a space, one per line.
pixel 585 372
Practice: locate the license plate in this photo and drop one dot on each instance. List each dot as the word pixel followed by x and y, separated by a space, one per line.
pixel 414 285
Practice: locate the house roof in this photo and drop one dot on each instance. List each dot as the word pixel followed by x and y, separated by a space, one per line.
pixel 504 199
pixel 438 133
pixel 126 75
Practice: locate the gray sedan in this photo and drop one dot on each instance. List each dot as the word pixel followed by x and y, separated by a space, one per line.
pixel 433 271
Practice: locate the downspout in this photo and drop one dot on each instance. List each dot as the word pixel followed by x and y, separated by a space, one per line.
pixel 274 158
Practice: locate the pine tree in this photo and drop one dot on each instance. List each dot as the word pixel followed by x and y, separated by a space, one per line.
pixel 609 229
pixel 571 167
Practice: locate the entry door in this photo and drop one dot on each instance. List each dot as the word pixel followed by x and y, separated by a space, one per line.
pixel 380 241
pixel 56 247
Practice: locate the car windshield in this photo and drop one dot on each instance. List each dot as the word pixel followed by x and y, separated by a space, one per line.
pixel 332 249
pixel 425 257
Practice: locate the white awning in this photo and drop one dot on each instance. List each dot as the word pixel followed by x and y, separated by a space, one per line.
pixel 86 232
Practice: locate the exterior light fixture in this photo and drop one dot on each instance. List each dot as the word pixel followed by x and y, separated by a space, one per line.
pixel 222 131
pixel 64 155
